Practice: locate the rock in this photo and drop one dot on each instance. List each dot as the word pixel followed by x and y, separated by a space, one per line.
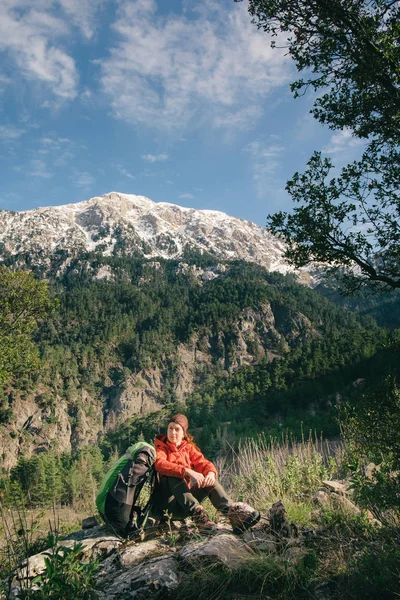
pixel 358 382
pixel 345 503
pixel 109 566
pixel 100 531
pixel 149 580
pixel 295 554
pixel 338 487
pixel 261 541
pixel 369 470
pixel 224 548
pixel 100 546
pixel 321 497
pixel 89 523
pixel 132 555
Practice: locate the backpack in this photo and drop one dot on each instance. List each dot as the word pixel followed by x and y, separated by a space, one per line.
pixel 118 498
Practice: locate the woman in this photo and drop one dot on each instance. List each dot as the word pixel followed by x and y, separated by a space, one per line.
pixel 187 478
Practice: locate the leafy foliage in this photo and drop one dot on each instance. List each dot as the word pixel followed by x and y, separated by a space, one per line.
pixel 371 428
pixel 65 575
pixel 49 479
pixel 23 301
pixel 351 52
pixel 350 222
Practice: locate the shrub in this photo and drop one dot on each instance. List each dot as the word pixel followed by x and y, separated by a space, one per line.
pixel 371 430
pixel 65 575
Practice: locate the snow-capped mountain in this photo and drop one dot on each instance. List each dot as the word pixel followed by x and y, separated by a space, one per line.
pixel 134 224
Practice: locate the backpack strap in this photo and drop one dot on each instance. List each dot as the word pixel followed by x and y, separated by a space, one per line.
pixel 142 514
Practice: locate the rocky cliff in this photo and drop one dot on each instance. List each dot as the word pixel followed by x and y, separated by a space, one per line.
pixel 48 417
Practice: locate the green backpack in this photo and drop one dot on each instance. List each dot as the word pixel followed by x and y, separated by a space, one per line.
pixel 118 497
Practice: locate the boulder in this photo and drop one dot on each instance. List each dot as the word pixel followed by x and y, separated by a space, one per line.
pixel 321 497
pixel 97 547
pixel 152 569
pixel 152 579
pixel 109 566
pixel 260 541
pixel 135 554
pixel 278 520
pixel 345 503
pixel 339 487
pixel 225 548
pixel 99 531
pixel 369 470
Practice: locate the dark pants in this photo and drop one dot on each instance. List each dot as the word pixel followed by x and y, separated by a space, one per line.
pixel 173 495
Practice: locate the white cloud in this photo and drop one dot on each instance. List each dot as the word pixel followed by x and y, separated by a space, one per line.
pixel 27 34
pixel 264 152
pixel 217 68
pixel 4 81
pixel 39 169
pixel 151 158
pixel 83 179
pixel 55 142
pixel 87 96
pixel 33 34
pixel 186 196
pixel 83 14
pixel 10 133
pixel 341 142
pixel 61 149
pixel 266 160
pixel 239 119
pixel 266 157
pixel 124 172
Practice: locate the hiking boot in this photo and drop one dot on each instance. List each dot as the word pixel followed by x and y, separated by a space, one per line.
pixel 202 520
pixel 242 516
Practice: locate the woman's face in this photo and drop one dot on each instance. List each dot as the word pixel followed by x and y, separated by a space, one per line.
pixel 175 433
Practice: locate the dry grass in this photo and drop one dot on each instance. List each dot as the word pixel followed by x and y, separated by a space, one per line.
pixel 264 470
pixel 29 526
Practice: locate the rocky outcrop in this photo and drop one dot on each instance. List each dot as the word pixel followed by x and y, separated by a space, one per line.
pixel 156 567
pixel 143 392
pixel 339 494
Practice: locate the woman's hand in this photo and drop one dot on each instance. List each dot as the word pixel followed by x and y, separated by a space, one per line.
pixel 209 479
pixel 198 477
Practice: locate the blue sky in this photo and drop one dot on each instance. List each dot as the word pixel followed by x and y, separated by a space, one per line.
pixel 178 100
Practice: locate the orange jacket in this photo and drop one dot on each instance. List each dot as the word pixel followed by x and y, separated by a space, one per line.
pixel 173 461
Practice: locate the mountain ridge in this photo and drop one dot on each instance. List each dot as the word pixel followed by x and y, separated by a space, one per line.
pixel 123 224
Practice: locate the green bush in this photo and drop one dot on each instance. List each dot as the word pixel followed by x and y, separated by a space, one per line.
pixel 371 429
pixel 65 575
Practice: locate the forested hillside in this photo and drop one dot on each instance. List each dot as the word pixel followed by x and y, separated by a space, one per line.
pixel 231 341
